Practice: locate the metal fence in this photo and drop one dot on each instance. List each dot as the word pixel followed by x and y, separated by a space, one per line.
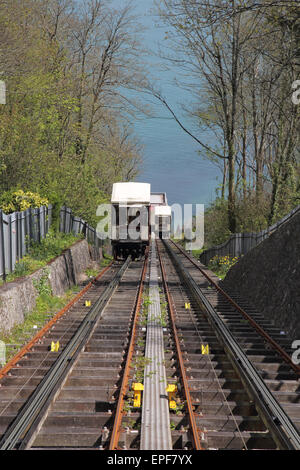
pixel 69 223
pixel 16 230
pixel 240 243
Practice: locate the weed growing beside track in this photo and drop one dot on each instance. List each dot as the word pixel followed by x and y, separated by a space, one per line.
pixel 46 306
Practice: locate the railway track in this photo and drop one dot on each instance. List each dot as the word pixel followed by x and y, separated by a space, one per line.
pixel 247 388
pixel 160 331
pixel 65 399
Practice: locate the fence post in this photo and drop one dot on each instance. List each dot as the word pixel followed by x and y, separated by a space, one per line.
pixel 10 243
pixel 30 224
pixel 27 229
pixel 71 220
pixel 2 245
pixel 39 224
pixel 17 237
pixel 49 217
pixel 21 234
pixel 44 219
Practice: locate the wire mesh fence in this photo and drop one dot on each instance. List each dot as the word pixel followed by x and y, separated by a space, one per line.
pixel 17 230
pixel 240 243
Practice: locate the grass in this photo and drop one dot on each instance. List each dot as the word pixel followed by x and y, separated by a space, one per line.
pixel 220 265
pixel 39 254
pixel 92 272
pixel 46 306
pixel 105 260
pixel 197 253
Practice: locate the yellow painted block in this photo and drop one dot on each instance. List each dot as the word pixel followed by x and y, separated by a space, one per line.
pixel 88 303
pixel 137 386
pixel 187 305
pixel 172 405
pixel 54 346
pixel 171 388
pixel 204 349
pixel 137 397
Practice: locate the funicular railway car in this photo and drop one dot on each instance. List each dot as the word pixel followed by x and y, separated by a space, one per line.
pixel 137 216
pixel 130 201
pixel 160 215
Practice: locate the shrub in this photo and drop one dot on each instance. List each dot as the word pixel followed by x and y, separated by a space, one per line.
pixel 18 201
pixel 221 264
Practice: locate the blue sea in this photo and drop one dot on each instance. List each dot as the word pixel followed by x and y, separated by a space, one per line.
pixel 171 159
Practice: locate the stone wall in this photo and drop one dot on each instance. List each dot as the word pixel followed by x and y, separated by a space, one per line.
pixel 18 298
pixel 269 277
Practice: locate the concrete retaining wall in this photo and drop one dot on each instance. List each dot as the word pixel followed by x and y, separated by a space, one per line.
pixel 269 277
pixel 18 298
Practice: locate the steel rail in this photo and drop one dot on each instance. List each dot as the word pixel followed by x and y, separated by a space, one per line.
pixel 43 394
pixel 259 329
pixel 49 325
pixel 285 434
pixel 191 415
pixel 113 445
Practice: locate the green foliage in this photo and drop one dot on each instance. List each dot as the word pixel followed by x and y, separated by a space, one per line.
pixel 12 201
pixel 51 140
pixel 216 224
pixel 46 305
pixel 139 363
pixel 197 253
pixel 22 267
pixel 252 215
pixel 51 246
pixel 41 253
pixel 220 265
pixel 42 285
pixel 91 272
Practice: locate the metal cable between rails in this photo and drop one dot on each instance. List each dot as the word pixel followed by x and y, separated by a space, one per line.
pixel 29 412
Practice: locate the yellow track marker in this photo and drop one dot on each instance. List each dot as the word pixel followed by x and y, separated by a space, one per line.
pixel 137 398
pixel 54 346
pixel 172 389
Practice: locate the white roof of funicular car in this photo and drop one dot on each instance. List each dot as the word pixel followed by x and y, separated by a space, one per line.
pixel 163 211
pixel 158 198
pixel 131 193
